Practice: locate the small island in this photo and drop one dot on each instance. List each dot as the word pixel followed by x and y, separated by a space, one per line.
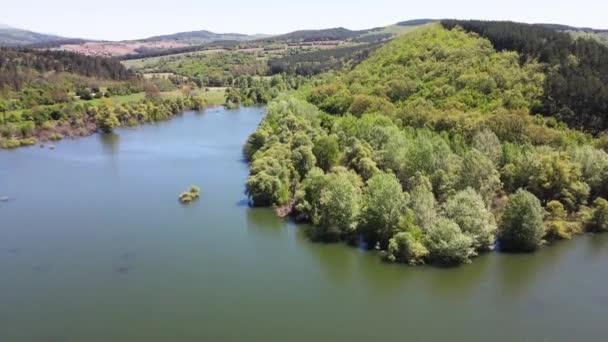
pixel 189 196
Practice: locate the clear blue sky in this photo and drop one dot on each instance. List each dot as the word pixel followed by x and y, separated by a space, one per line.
pixel 130 19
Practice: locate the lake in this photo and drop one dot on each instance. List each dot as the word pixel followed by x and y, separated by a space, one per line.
pixel 94 246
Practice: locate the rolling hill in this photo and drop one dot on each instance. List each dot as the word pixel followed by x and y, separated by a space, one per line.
pixel 10 36
pixel 199 37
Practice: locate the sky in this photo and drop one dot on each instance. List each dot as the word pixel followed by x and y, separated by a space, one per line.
pixel 132 19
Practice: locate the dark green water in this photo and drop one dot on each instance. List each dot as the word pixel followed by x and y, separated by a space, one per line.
pixel 95 247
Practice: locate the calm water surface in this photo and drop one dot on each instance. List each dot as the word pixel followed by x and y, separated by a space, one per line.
pixel 95 247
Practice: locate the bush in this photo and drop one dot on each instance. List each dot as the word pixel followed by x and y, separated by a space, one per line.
pixel 557 225
pixel 192 194
pixel 521 226
pixel 599 218
pixel 407 247
pixel 447 244
pixel 56 137
pixel 10 143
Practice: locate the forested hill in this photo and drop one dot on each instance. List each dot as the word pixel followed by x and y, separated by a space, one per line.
pixel 432 70
pixel 339 33
pixel 16 65
pixel 199 37
pixel 427 152
pixel 576 83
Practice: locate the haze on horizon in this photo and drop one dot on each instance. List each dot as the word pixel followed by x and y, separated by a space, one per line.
pixel 122 20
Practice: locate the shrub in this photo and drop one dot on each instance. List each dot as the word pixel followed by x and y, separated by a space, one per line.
pixel 447 244
pixel 557 226
pixel 521 226
pixel 599 217
pixel 407 247
pixel 192 194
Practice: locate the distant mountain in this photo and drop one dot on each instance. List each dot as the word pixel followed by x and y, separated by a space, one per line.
pixel 10 36
pixel 199 37
pixel 559 27
pixel 338 33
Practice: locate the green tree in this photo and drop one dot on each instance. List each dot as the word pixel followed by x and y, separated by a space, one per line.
pixel 327 151
pixel 521 225
pixel 486 142
pixel 106 118
pixel 594 168
pixel 339 206
pixel 479 173
pixel 468 211
pixel 447 244
pixel 599 217
pixel 557 226
pixel 303 159
pixel 423 202
pixel 384 202
pixel 407 247
pixel 555 177
pixel 269 179
pixel 307 206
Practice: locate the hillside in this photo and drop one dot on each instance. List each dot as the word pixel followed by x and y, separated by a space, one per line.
pixel 427 152
pixel 339 33
pixel 461 73
pixel 418 22
pixel 575 89
pixel 10 36
pixel 199 37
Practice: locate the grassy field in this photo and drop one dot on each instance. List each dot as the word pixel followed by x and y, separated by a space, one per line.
pixel 213 96
pixel 148 62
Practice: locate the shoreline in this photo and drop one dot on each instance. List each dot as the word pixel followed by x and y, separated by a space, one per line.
pixel 88 127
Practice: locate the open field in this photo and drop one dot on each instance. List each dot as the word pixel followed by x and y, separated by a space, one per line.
pixel 113 49
pixel 152 61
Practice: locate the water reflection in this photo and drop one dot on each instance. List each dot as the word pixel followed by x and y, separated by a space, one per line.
pixel 263 220
pixel 597 245
pixel 110 143
pixel 457 281
pixel 330 258
pixel 517 273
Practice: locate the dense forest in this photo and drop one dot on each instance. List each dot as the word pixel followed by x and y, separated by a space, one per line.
pixel 317 62
pixel 575 89
pixel 427 152
pixel 16 62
